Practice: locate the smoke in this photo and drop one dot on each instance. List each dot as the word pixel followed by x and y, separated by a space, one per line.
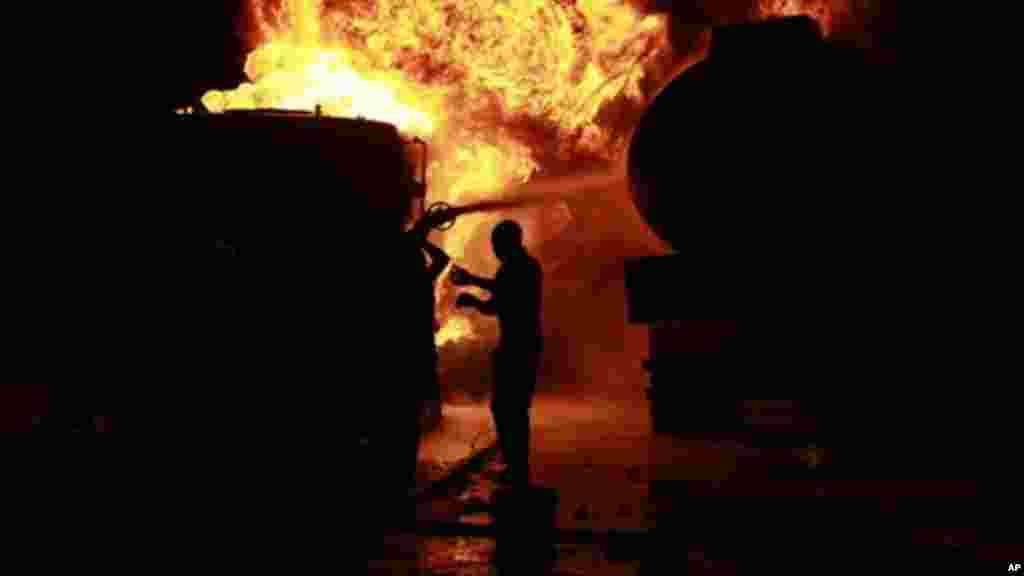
pixel 575 186
pixel 547 191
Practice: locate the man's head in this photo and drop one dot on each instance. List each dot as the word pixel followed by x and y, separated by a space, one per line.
pixel 507 239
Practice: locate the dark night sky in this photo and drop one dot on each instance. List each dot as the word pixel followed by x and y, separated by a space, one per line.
pixel 204 50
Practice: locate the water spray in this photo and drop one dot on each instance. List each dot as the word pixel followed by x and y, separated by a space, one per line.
pixel 441 215
pixel 539 191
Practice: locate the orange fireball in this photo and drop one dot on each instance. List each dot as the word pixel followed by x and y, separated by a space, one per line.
pixel 459 74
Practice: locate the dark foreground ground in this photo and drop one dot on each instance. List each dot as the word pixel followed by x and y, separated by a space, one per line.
pixel 630 502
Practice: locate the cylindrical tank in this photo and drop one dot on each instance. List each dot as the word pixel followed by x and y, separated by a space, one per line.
pixel 741 140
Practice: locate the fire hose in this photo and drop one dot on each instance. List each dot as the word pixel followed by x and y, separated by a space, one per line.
pixel 441 215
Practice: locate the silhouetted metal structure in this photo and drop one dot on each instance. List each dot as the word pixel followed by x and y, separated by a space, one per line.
pixel 753 165
pixel 271 174
pixel 321 310
pixel 720 165
pixel 749 164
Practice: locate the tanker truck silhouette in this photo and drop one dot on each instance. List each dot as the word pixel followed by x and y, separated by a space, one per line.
pixel 323 308
pixel 748 164
pixel 771 169
pixel 321 312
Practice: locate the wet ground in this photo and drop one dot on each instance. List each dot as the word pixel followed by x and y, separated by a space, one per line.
pixel 598 454
pixel 609 472
pixel 467 507
pixel 595 451
pixel 465 430
pixel 560 429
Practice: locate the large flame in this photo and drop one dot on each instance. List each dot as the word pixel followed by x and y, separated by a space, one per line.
pixel 490 84
pixel 472 77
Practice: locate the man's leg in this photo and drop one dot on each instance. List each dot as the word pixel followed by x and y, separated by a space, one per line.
pixel 501 428
pixel 499 379
pixel 529 386
pixel 523 440
pixel 516 427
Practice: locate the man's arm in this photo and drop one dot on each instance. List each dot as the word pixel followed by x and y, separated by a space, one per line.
pixel 470 279
pixel 489 308
pixel 438 260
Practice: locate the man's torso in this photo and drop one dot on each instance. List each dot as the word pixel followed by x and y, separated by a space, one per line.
pixel 519 303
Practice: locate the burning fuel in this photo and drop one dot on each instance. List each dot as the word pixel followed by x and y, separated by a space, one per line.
pixel 498 88
pixel 468 77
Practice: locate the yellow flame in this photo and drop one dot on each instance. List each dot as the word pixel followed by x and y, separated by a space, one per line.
pixel 455 329
pixel 459 74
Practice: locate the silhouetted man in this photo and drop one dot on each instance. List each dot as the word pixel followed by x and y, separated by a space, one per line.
pixel 438 258
pixel 516 301
pixel 438 262
pixel 404 360
pixel 417 319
